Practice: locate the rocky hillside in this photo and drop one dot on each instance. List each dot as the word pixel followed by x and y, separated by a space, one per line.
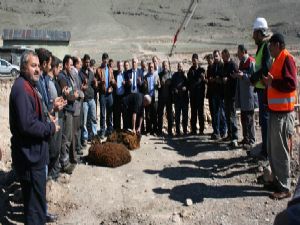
pixel 140 27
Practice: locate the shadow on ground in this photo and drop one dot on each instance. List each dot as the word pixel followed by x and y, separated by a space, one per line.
pixel 11 207
pixel 190 146
pixel 197 192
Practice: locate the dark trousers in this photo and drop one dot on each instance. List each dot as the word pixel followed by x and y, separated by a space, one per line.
pixel 76 143
pixel 151 117
pixel 181 106
pixel 211 109
pixel 162 104
pixel 117 111
pixel 218 117
pixel 247 119
pixel 263 120
pixel 34 197
pixel 106 110
pixel 230 114
pixel 67 136
pixel 54 150
pixel 197 110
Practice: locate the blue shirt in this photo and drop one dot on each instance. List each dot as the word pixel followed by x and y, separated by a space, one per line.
pixel 120 88
pixel 151 85
pixel 106 77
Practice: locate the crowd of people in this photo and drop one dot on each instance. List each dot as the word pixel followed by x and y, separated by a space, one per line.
pixel 53 108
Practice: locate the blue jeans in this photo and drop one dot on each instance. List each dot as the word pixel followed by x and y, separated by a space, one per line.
pixel 106 110
pixel 263 120
pixel 218 117
pixel 89 108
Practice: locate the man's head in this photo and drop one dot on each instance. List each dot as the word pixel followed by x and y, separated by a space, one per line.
pixel 195 59
pixel 45 58
pixel 126 65
pixel 56 66
pixel 147 100
pixel 86 61
pixel 180 67
pixel 143 64
pixel 105 58
pixel 165 66
pixel 30 66
pixel 67 63
pixel 217 56
pixel 225 55
pixel 277 44
pixel 210 59
pixel 151 67
pixel 120 65
pixel 77 63
pixel 241 52
pixel 111 63
pixel 260 30
pixel 134 63
pixel 155 62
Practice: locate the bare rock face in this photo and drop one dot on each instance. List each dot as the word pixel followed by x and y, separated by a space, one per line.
pixel 108 154
pixel 129 139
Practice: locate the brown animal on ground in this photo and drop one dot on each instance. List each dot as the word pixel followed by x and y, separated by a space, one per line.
pixel 108 154
pixel 129 139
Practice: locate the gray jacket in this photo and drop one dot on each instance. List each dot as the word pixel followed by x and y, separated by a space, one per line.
pixel 156 84
pixel 246 98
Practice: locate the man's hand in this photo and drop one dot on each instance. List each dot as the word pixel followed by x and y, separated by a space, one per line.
pixel 54 120
pixel 66 91
pixel 76 94
pixel 268 80
pixel 184 88
pixel 59 104
pixel 138 131
pixel 238 75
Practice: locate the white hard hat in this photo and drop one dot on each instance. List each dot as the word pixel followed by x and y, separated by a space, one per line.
pixel 260 23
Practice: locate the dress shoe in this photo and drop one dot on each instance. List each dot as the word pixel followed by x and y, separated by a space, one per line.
pixel 271 187
pixel 51 218
pixel 280 195
pixel 69 168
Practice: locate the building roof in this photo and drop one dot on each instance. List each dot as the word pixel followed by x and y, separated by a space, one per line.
pixel 36 35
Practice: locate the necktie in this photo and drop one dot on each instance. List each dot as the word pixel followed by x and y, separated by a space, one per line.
pixel 133 80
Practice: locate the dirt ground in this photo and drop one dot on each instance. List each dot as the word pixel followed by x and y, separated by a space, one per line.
pixel 185 180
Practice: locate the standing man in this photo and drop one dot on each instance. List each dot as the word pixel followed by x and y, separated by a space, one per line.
pixel 119 92
pixel 230 68
pixel 151 81
pixel 165 98
pixel 245 96
pixel 262 64
pixel 133 78
pixel 89 87
pixel 181 98
pixel 281 91
pixel 106 80
pixel 68 156
pixel 29 141
pixel 196 85
pixel 218 117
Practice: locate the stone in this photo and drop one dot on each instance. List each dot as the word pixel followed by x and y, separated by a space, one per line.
pixel 188 202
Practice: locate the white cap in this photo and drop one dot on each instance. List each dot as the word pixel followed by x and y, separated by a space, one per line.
pixel 260 24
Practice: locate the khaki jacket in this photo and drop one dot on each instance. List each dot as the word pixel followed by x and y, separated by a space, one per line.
pixel 100 76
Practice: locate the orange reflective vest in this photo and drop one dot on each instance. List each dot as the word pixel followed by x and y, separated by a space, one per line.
pixel 280 101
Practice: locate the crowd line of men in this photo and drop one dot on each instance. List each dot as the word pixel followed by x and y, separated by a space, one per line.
pixel 53 108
